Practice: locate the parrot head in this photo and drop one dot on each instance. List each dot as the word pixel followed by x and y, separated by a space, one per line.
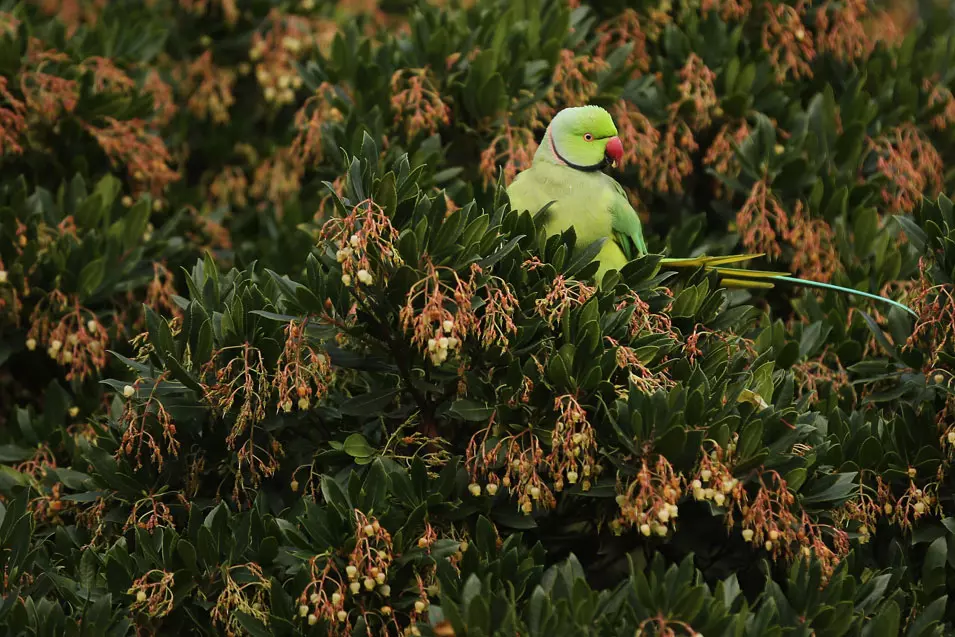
pixel 583 138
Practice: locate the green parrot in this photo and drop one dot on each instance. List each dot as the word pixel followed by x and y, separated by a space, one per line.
pixel 567 172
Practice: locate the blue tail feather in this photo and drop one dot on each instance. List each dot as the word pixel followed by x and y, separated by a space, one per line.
pixel 839 288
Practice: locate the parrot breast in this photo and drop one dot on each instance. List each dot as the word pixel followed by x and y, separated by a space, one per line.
pixel 582 200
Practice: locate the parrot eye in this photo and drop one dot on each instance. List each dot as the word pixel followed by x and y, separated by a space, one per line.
pixel 589 137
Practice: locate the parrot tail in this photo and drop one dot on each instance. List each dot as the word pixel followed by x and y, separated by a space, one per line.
pixel 765 279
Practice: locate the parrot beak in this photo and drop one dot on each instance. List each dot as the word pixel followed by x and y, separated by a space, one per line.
pixel 614 151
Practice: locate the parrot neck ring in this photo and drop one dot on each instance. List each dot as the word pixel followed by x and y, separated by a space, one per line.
pixel 588 169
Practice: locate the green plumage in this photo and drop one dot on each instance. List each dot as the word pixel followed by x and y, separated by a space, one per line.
pixel 567 173
pixel 592 203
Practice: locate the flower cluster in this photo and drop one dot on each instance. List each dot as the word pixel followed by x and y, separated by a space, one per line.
pixel 446 318
pixel 139 422
pixel 573 445
pixel 714 482
pixel 649 502
pixel 417 102
pixel 210 89
pixel 910 163
pixel 514 147
pixel 303 373
pixel 77 340
pixel 721 154
pixel 767 517
pixel 791 48
pixel 522 456
pixel 246 589
pixel 276 51
pixel 562 295
pixel 696 88
pixel 244 381
pixel 365 242
pixel 624 29
pixel 935 327
pixel 13 121
pixel 153 593
pixel 760 218
pixel 144 154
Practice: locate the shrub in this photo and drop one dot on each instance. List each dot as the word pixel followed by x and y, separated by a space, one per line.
pixel 278 357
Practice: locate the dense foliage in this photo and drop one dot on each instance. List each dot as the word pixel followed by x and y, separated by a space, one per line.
pixel 277 357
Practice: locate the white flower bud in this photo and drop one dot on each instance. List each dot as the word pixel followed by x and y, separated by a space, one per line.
pixel 128 391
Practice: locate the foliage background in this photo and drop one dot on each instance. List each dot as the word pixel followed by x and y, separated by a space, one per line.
pixel 275 351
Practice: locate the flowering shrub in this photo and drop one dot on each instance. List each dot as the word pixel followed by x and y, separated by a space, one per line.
pixel 278 358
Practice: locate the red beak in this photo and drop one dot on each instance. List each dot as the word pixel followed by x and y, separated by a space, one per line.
pixel 614 149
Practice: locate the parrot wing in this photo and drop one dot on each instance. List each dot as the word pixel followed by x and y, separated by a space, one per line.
pixel 627 229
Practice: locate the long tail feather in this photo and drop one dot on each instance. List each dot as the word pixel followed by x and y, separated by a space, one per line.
pixel 764 279
pixel 839 288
